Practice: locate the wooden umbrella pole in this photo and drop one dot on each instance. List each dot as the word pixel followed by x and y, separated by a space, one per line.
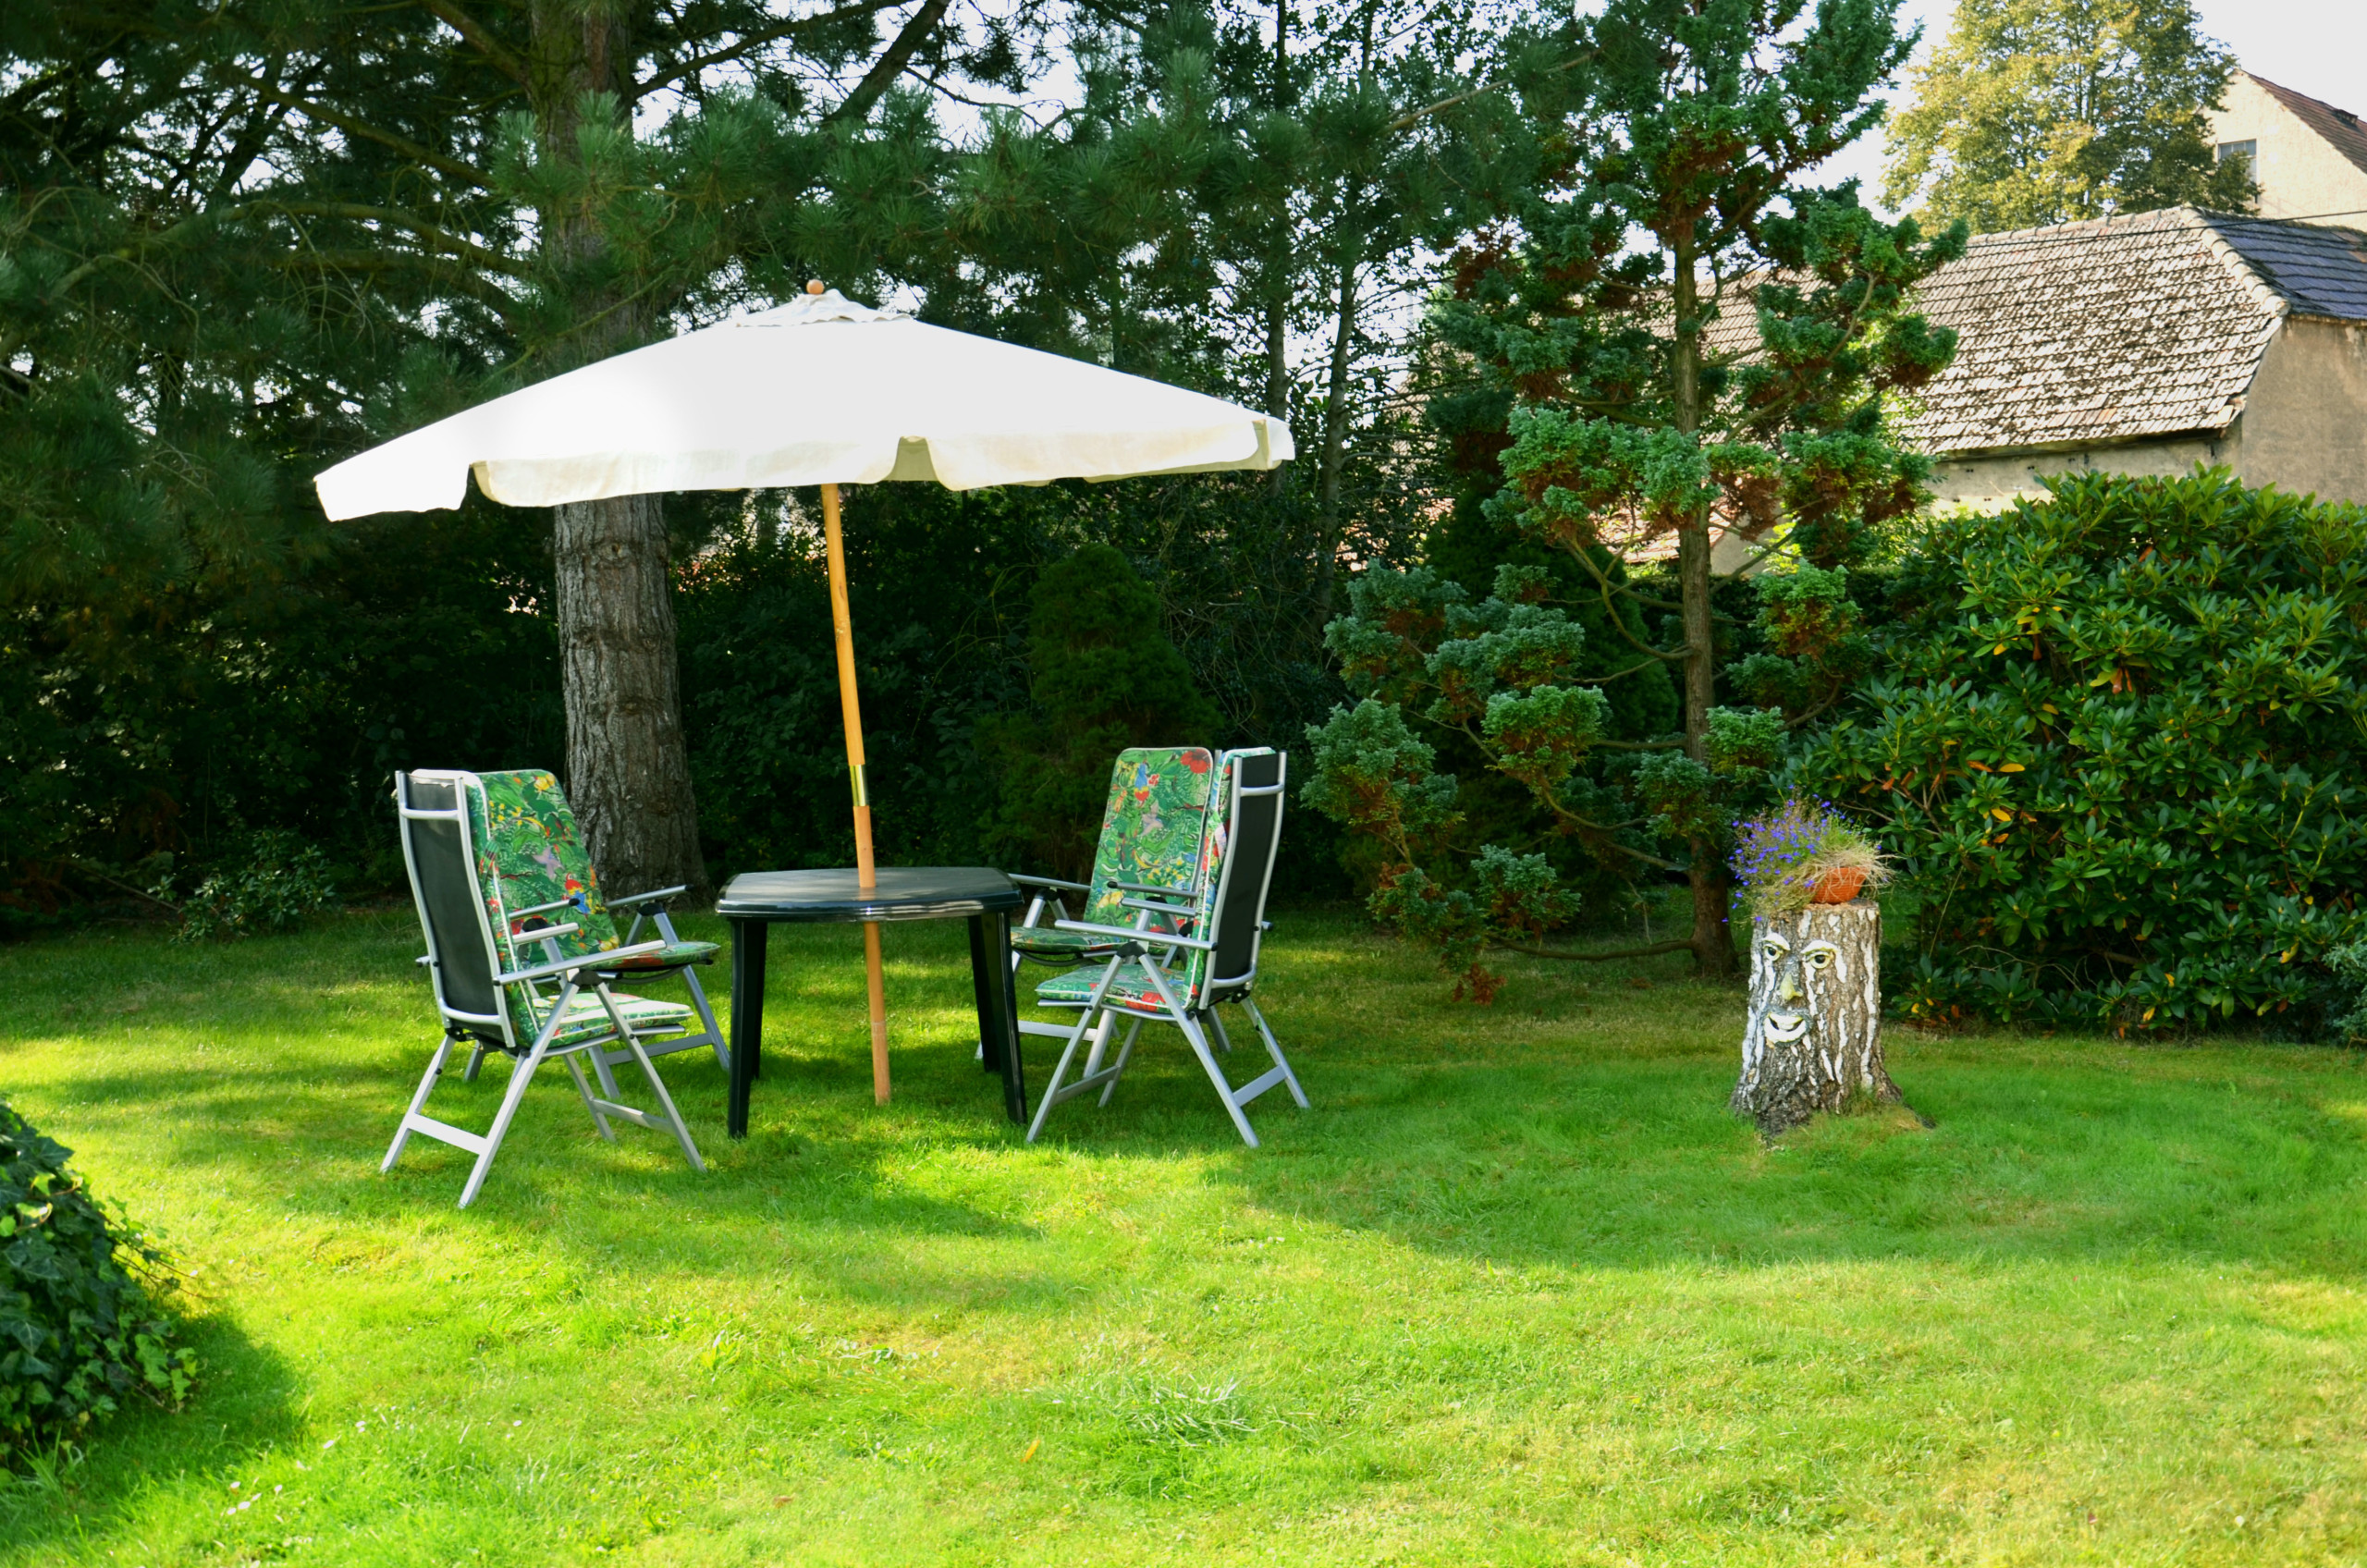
pixel 850 709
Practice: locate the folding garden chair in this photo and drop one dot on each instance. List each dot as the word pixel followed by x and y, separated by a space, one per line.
pixel 540 860
pixel 1186 954
pixel 1151 830
pixel 507 978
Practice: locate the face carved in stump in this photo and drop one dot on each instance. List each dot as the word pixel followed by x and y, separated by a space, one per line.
pixel 1787 984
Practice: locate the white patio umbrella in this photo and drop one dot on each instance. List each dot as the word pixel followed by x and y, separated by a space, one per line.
pixel 820 391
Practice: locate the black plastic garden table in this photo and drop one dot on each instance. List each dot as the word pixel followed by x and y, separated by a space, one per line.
pixel 755 899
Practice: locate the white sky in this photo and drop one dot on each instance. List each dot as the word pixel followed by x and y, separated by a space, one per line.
pixel 2318 47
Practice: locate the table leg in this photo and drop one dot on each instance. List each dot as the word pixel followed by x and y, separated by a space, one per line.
pixel 990 1038
pixel 999 1009
pixel 747 1018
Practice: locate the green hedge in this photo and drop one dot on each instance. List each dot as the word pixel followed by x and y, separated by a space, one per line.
pixel 2117 745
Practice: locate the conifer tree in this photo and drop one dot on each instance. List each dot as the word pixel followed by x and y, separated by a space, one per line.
pixel 1688 336
pixel 237 229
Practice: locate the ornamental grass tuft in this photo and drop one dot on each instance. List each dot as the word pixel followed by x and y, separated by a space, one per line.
pixel 1780 858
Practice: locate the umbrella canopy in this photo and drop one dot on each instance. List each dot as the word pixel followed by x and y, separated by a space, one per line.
pixel 820 391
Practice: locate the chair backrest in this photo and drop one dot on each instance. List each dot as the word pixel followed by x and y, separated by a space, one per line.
pixel 1152 828
pixel 463 958
pixel 529 855
pixel 1237 869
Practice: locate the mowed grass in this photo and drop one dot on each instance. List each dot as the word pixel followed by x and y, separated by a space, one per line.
pixel 1516 1290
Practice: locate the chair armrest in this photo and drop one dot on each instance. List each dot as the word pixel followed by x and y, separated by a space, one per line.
pixel 576 965
pixel 424 961
pixel 1149 888
pixel 647 898
pixel 1148 939
pixel 1048 882
pixel 545 933
pixel 568 902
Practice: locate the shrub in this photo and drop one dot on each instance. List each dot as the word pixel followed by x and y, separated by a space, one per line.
pixel 1104 677
pixel 2115 746
pixel 274 884
pixel 83 1327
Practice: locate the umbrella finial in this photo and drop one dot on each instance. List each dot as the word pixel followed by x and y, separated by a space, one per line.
pixel 813 286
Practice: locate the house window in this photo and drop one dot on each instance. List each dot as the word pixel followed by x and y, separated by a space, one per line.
pixel 2247 151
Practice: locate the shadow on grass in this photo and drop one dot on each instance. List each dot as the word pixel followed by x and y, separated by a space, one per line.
pixel 247 1404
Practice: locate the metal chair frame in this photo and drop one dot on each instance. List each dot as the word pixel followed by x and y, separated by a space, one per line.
pixel 1208 912
pixel 499 1029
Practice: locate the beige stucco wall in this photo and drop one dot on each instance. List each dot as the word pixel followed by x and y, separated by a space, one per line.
pixel 2299 176
pixel 2304 424
pixel 1991 483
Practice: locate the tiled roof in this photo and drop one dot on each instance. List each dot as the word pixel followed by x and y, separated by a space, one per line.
pixel 2341 128
pixel 2121 328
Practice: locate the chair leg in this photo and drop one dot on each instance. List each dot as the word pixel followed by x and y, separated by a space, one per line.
pixel 1125 1051
pixel 1200 1040
pixel 426 1084
pixel 665 1103
pixel 1224 1041
pixel 1050 1094
pixel 476 1059
pixel 1274 1049
pixel 575 1071
pixel 698 998
pixel 519 1078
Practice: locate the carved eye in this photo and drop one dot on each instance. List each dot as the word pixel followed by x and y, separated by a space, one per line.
pixel 1773 950
pixel 1821 958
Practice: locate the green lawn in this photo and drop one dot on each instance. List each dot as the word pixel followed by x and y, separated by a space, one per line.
pixel 1518 1289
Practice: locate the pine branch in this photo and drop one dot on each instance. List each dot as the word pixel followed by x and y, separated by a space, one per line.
pixel 1413 117
pixel 890 65
pixel 353 126
pixel 497 53
pixel 491 261
pixel 749 42
pixel 1612 611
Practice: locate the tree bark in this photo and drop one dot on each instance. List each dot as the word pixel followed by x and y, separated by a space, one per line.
pixel 1814 1041
pixel 1335 432
pixel 628 770
pixel 1712 883
pixel 628 766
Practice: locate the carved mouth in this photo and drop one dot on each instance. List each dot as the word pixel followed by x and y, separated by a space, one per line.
pixel 1785 1027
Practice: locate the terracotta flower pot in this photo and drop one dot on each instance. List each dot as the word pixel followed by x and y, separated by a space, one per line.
pixel 1838 887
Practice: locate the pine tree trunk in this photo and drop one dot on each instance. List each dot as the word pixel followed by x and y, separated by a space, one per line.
pixel 628 766
pixel 1814 1038
pixel 628 770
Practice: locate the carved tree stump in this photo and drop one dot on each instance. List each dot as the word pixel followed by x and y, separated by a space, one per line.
pixel 1814 1041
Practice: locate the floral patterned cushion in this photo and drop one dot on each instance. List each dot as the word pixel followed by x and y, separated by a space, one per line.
pixel 586 1017
pixel 1152 827
pixel 1150 834
pixel 1132 989
pixel 529 854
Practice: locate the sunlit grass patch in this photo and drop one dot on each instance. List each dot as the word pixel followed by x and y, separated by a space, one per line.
pixel 1517 1289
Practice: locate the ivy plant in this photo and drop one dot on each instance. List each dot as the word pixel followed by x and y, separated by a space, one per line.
pixel 83 1321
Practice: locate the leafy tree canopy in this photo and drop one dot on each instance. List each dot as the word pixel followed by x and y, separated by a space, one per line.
pixel 2040 112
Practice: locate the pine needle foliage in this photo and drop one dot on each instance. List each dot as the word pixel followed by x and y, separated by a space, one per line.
pixel 1672 140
